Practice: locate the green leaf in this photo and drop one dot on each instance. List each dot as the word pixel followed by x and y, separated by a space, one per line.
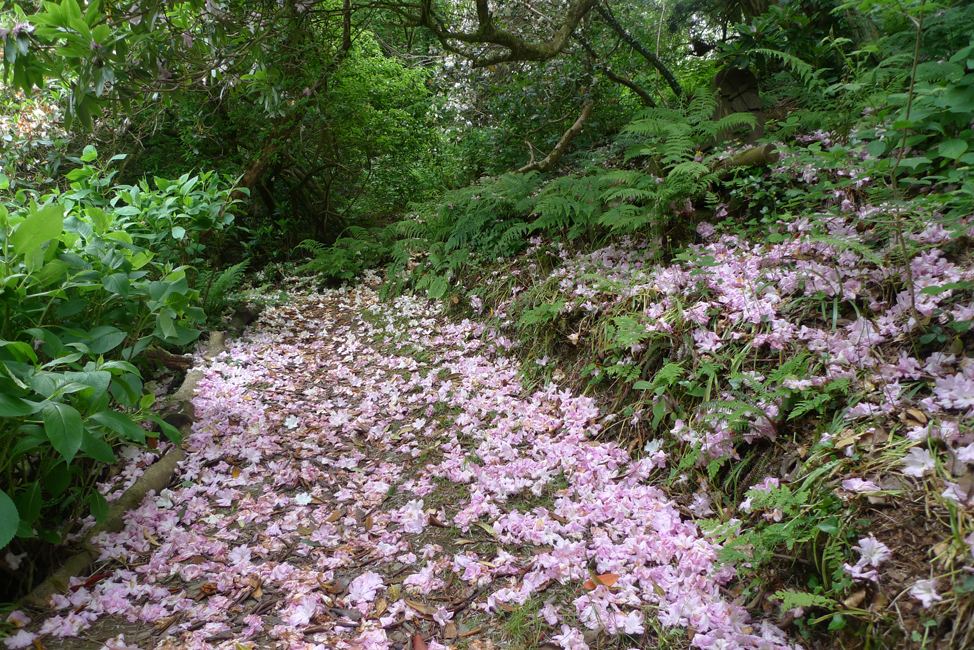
pixel 952 149
pixel 9 519
pixel 127 389
pixel 121 424
pixel 99 506
pixel 178 232
pixel 166 325
pixel 58 479
pixel 63 426
pixel 15 407
pixel 117 283
pixel 97 448
pixel 830 526
pixel 29 503
pixel 89 153
pixel 42 226
pixel 107 342
pixel 169 430
pixel 876 148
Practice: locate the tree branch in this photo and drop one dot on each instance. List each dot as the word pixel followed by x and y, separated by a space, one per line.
pixel 653 59
pixel 643 94
pixel 548 162
pixel 488 33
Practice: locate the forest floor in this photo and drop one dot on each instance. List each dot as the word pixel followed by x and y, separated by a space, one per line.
pixel 370 475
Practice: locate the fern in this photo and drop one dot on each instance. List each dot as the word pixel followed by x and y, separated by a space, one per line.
pixel 216 297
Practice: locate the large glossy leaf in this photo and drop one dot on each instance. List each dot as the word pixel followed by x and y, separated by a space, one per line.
pixel 64 429
pixel 9 519
pixel 15 407
pixel 42 226
pixel 99 507
pixel 97 448
pixel 121 424
pixel 29 503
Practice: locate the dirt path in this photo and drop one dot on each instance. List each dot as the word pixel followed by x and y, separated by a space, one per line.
pixel 362 474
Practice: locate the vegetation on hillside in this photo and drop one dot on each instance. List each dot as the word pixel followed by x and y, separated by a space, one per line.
pixel 791 336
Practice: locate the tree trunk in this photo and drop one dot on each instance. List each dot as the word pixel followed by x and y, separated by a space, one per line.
pixel 765 154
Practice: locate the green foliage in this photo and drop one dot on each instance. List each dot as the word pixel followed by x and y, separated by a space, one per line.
pixel 82 299
pixel 359 250
pixel 217 288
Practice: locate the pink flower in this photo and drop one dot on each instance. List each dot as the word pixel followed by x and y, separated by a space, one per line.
pixel 570 639
pixel 302 613
pixel 860 485
pixel 631 623
pixel 442 616
pixel 550 613
pixel 363 588
pixel 412 517
pixel 918 462
pixel 873 551
pixel 706 340
pixel 23 639
pixel 926 592
pixel 239 555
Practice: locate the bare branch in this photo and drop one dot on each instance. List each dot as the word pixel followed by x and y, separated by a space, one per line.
pixel 650 56
pixel 548 162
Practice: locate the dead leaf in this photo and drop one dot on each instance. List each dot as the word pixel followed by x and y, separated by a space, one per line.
pixel 304 530
pixel 607 579
pixel 258 593
pixel 380 606
pixel 333 517
pixel 558 518
pixel 506 607
pixel 461 542
pixel 472 632
pixel 450 631
pixel 433 521
pixel 368 523
pixel 418 643
pixel 855 599
pixel 486 527
pixel 422 608
pixel 235 472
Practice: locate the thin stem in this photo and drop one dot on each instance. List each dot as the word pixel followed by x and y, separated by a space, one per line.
pixel 898 218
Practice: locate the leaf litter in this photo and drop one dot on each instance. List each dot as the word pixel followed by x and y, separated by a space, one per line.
pixel 353 482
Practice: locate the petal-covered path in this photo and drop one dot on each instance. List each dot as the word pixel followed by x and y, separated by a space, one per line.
pixel 361 473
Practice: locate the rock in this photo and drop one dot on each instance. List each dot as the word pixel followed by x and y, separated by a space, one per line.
pixel 215 345
pixel 244 315
pixel 184 396
pixel 738 93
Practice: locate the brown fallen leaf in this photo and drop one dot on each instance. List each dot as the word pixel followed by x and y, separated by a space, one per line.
pixel 607 579
pixel 380 606
pixel 333 517
pixel 422 608
pixel 477 630
pixel 450 631
pixel 235 472
pixel 368 523
pixel 558 518
pixel 433 521
pixel 418 643
pixel 855 599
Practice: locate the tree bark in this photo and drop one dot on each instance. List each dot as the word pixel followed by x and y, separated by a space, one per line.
pixel 547 163
pixel 488 33
pixel 641 92
pixel 650 56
